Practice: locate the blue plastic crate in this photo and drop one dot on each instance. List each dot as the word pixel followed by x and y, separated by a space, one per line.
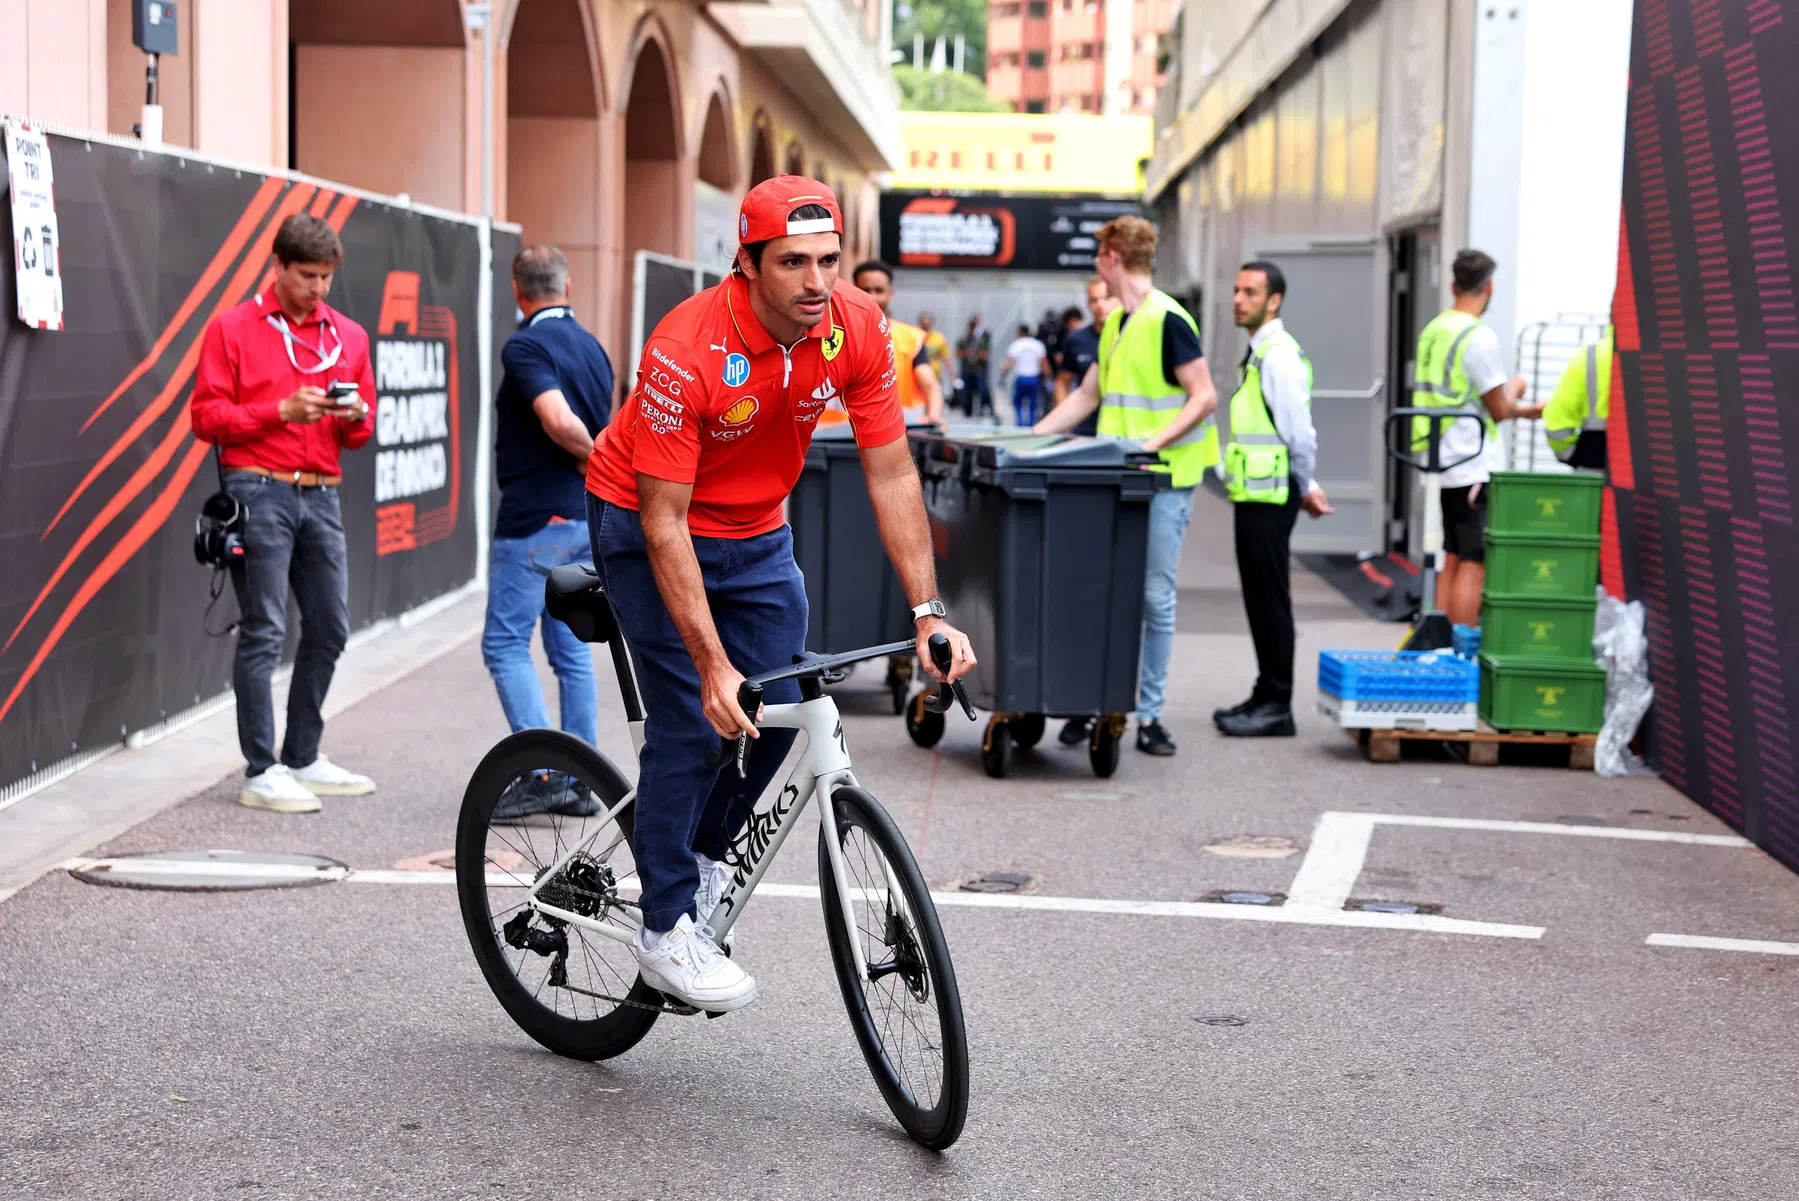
pixel 1467 641
pixel 1398 676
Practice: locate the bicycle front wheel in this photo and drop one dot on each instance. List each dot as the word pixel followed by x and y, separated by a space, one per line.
pixel 907 1012
pixel 538 812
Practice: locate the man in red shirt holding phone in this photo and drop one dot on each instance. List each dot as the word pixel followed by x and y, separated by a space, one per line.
pixel 284 383
pixel 685 492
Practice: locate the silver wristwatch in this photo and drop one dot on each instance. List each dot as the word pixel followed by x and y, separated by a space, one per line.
pixel 931 608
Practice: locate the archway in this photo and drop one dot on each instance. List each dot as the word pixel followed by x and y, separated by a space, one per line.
pixel 553 142
pixel 762 154
pixel 714 193
pixel 652 158
pixel 403 59
pixel 796 160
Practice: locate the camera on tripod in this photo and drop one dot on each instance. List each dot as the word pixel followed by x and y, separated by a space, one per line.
pixel 219 530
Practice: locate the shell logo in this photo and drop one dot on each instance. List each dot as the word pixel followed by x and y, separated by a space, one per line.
pixel 739 412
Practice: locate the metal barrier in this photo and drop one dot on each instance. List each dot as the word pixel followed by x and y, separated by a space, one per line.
pixel 1544 351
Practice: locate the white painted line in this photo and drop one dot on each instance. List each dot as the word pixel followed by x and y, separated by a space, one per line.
pixel 1332 863
pixel 1504 827
pixel 1701 942
pixel 197 867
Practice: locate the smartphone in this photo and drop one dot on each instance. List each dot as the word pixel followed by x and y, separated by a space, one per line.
pixel 343 393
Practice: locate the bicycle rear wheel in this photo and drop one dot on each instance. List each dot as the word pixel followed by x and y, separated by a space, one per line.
pixel 908 1015
pixel 541 798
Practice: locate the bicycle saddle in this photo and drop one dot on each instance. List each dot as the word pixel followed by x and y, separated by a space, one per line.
pixel 574 596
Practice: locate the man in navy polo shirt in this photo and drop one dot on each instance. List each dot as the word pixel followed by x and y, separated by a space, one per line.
pixel 555 395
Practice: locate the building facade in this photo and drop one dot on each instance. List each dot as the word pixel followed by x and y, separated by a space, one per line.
pixel 1077 56
pixel 1360 144
pixel 605 126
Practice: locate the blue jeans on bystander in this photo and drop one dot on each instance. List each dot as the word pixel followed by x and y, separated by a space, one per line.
pixel 1168 515
pixel 515 582
pixel 758 602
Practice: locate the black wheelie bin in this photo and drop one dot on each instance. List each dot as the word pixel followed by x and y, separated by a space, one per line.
pixel 853 595
pixel 1042 545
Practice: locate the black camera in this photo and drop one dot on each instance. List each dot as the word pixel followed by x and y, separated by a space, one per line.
pixel 219 531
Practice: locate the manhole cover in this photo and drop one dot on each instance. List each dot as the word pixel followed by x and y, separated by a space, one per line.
pixel 210 871
pixel 445 861
pixel 1221 896
pixel 1222 1019
pixel 998 882
pixel 1402 907
pixel 1253 846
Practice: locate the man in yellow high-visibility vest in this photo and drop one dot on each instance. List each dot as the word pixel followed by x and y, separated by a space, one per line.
pixel 1150 384
pixel 1574 421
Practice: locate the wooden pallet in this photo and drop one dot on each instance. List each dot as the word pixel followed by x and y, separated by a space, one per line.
pixel 1480 746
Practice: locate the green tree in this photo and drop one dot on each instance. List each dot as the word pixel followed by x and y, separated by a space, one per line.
pixel 946 92
pixel 945 19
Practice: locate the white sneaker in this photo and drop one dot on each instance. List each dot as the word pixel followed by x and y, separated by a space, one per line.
pixel 278 791
pixel 687 965
pixel 715 877
pixel 322 777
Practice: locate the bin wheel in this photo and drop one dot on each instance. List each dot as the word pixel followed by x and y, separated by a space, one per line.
pixel 924 727
pixel 1102 746
pixel 1026 730
pixel 996 748
pixel 899 682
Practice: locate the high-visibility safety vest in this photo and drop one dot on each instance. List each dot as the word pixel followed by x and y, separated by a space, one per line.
pixel 1135 398
pixel 1257 463
pixel 1438 380
pixel 1583 397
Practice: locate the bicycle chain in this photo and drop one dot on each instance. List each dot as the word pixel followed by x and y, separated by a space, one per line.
pixel 682 1010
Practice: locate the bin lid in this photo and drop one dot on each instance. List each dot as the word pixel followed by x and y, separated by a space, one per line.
pixel 1531 538
pixel 1552 479
pixel 986 446
pixel 1520 600
pixel 1561 669
pixel 843 431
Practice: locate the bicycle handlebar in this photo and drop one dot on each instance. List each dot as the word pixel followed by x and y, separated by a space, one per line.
pixel 825 669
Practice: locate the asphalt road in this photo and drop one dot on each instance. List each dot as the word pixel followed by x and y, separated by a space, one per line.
pixel 338 1041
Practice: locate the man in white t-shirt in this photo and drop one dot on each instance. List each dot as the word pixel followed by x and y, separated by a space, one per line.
pixel 1460 365
pixel 1024 365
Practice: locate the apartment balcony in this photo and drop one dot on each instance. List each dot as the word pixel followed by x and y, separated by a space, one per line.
pixel 1006 83
pixel 1080 22
pixel 822 53
pixel 1004 34
pixel 1080 77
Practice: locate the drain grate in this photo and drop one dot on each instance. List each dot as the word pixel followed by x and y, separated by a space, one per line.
pixel 1222 1019
pixel 1233 896
pixel 210 871
pixel 1368 905
pixel 998 882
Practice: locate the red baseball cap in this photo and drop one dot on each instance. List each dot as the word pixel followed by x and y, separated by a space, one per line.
pixel 768 207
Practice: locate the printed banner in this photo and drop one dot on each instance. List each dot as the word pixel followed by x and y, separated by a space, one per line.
pixel 101 478
pixel 1021 233
pixel 1704 432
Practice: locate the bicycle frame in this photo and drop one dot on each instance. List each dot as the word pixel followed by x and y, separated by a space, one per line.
pixel 817 764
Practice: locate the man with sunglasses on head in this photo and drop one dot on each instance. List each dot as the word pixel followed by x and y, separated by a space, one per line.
pixel 283 385
pixel 685 492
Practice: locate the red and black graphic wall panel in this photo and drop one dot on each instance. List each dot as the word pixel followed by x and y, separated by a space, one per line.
pixel 1704 428
pixel 101 476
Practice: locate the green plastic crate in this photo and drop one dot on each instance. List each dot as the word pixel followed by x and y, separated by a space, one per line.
pixel 1566 695
pixel 1564 565
pixel 1537 627
pixel 1535 502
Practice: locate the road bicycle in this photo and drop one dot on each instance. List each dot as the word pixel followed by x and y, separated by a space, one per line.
pixel 550 901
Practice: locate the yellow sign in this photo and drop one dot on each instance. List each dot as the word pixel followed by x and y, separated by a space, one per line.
pixel 1061 153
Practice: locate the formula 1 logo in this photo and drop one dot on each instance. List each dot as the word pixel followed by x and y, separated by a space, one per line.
pixel 737 369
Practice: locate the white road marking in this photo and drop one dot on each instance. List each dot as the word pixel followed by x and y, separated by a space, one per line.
pixel 1505 827
pixel 1333 861
pixel 1701 942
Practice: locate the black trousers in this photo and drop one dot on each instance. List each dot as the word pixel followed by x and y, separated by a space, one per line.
pixel 1264 532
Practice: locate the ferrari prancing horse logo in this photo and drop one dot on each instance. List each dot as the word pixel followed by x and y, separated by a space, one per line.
pixel 833 343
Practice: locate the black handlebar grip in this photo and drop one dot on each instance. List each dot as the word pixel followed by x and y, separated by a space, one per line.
pixel 940 652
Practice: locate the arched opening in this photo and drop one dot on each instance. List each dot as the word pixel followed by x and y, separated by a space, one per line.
pixel 762 155
pixel 404 59
pixel 553 142
pixel 652 158
pixel 796 160
pixel 714 193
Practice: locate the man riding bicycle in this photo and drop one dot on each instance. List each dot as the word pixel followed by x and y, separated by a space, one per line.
pixel 685 492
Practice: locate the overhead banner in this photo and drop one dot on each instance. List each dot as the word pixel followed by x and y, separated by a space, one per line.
pixel 1019 233
pixel 1067 154
pixel 101 478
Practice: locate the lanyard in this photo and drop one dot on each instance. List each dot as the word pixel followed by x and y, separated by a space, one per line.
pixel 326 361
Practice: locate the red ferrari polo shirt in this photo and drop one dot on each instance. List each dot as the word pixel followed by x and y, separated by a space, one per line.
pixel 245 373
pixel 721 405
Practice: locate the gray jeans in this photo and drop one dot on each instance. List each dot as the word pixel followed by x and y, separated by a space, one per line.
pixel 293 537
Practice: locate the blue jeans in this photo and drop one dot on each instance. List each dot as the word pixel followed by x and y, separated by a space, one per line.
pixel 758 602
pixel 1168 515
pixel 1026 391
pixel 515 582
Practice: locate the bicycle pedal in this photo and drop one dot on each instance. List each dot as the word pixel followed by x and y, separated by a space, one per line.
pixel 677 1007
pixel 716 1013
